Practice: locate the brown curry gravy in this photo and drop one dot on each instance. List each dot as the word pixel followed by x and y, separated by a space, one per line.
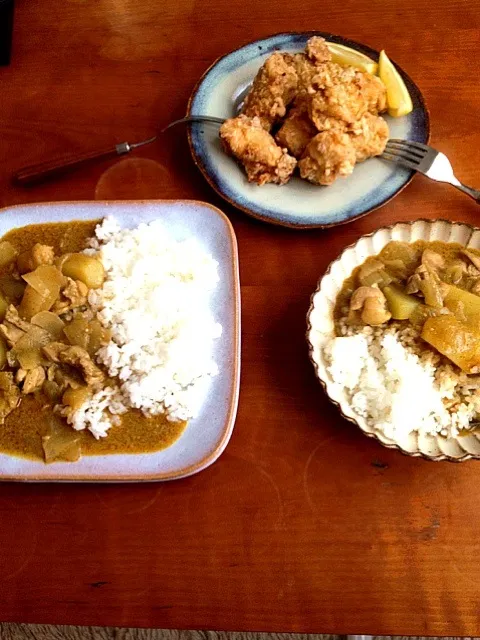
pixel 21 435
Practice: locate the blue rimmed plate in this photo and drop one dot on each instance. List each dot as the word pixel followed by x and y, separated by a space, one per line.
pixel 298 204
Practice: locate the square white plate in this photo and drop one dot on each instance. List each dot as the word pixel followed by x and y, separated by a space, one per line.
pixel 206 436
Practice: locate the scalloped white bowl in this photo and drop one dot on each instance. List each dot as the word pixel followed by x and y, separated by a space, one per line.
pixel 320 327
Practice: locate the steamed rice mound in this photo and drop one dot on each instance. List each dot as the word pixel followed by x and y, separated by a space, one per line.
pixel 156 302
pixel 398 384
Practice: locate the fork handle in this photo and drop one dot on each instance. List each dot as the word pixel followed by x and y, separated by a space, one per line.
pixel 50 169
pixel 473 193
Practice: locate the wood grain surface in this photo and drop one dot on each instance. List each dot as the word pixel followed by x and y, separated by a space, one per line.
pixel 303 524
pixel 10 631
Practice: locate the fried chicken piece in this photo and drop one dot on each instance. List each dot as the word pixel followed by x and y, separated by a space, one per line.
pixel 328 155
pixel 308 64
pixel 274 88
pixel 317 50
pixel 264 161
pixel 369 136
pixel 306 71
pixel 333 122
pixel 297 129
pixel 327 123
pixel 344 93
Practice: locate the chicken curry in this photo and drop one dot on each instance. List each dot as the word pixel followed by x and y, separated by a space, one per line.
pixel 48 340
pixel 435 286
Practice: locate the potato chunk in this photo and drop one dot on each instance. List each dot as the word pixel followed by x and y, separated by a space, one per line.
pixel 400 304
pixel 74 398
pixel 8 253
pixel 88 270
pixel 463 303
pixel 458 342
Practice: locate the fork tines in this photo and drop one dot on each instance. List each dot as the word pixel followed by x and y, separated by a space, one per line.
pixel 408 152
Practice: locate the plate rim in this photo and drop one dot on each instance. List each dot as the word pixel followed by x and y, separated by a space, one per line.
pixel 443 457
pixel 223 441
pixel 275 221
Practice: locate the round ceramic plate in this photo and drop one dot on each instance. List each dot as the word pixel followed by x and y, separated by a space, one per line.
pixel 321 328
pixel 298 203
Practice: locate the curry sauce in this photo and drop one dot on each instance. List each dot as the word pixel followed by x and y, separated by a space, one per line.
pixel 22 432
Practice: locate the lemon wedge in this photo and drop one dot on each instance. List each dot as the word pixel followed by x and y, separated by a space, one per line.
pixel 346 56
pixel 398 99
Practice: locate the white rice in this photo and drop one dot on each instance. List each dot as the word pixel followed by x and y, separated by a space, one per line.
pixel 397 387
pixel 96 413
pixel 156 301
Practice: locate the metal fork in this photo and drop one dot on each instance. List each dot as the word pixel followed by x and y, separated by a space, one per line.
pixel 422 158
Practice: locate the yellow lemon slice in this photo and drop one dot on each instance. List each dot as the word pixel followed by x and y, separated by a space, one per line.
pixel 398 99
pixel 346 56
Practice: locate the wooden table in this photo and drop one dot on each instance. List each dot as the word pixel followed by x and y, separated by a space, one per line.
pixel 303 524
